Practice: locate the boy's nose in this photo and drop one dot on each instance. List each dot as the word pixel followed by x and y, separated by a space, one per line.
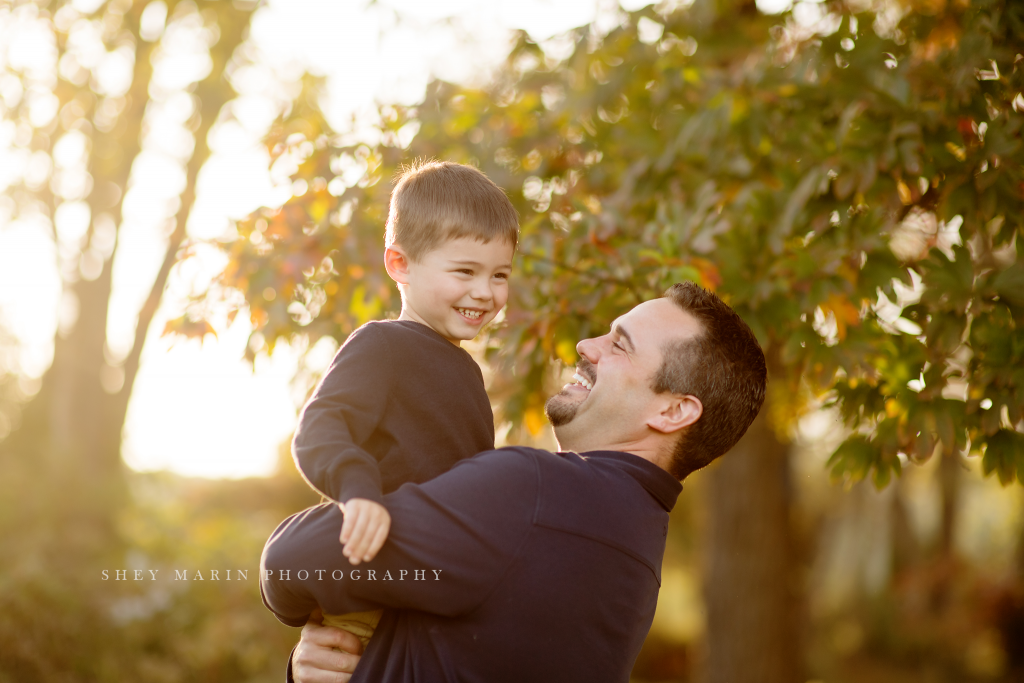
pixel 482 292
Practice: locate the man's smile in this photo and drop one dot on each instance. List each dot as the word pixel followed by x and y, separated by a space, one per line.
pixel 585 377
pixel 582 381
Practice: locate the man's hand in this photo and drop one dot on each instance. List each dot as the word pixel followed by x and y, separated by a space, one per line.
pixel 324 654
pixel 365 529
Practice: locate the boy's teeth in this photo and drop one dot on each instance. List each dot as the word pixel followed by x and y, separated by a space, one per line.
pixel 583 380
pixel 468 313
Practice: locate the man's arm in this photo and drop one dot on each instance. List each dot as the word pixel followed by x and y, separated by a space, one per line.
pixel 451 540
pixel 342 413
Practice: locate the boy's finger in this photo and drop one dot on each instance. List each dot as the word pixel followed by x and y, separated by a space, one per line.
pixel 356 540
pixel 377 543
pixel 347 526
pixel 360 549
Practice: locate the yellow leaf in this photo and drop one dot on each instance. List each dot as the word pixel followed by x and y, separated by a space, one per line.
pixel 892 408
pixel 958 152
pixel 318 210
pixel 691 75
pixel 534 420
pixel 566 350
pixel 905 196
pixel 739 110
pixel 787 90
pixel 845 313
pixel 847 272
pixel 363 310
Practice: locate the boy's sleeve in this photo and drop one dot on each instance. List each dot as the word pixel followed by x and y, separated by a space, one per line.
pixel 343 412
pixel 451 541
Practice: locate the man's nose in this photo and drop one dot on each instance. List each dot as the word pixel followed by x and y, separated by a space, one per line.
pixel 589 349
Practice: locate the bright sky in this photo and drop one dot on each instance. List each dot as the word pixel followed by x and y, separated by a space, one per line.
pixel 200 409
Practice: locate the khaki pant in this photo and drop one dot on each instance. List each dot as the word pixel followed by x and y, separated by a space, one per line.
pixel 359 624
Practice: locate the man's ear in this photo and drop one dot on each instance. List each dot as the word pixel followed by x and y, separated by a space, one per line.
pixel 678 412
pixel 397 264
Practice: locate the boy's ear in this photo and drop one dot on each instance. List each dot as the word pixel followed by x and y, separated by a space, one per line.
pixel 676 413
pixel 397 264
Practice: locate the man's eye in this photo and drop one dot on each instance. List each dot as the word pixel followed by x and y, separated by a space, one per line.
pixel 618 346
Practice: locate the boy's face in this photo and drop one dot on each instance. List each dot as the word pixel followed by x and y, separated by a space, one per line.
pixel 456 288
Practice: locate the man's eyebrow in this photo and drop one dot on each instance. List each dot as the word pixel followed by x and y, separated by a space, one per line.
pixel 621 331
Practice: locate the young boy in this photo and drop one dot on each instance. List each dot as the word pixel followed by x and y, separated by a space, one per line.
pixel 402 402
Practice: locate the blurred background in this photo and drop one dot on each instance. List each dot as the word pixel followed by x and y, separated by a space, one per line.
pixel 194 195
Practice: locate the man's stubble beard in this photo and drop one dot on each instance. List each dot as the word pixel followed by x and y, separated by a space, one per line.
pixel 561 409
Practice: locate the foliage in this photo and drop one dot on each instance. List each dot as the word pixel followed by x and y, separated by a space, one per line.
pixel 854 191
pixel 60 620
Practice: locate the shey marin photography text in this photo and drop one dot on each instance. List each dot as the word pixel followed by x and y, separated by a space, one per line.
pixel 284 574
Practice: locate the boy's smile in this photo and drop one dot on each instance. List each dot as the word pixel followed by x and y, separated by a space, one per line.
pixel 454 289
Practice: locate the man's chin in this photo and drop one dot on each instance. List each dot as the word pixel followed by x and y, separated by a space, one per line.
pixel 561 409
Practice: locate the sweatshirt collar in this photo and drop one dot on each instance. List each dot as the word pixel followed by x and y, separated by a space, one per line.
pixel 659 483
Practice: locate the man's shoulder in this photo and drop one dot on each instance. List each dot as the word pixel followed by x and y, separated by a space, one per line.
pixel 509 467
pixel 508 457
pixel 535 459
pixel 522 465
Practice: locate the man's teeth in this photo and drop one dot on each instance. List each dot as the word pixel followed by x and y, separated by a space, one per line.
pixel 468 313
pixel 583 380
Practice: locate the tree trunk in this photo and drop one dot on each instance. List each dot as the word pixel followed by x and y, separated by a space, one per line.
pixel 66 443
pixel 69 439
pixel 751 630
pixel 949 482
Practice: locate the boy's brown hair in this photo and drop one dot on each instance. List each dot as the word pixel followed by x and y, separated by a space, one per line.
pixel 436 201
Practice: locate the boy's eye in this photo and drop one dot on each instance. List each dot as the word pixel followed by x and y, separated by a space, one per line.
pixel 503 276
pixel 464 271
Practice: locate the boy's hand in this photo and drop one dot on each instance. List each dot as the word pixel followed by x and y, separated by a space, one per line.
pixel 365 529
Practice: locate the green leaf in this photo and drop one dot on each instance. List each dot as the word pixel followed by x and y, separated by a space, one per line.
pixel 854 458
pixel 1004 455
pixel 1010 284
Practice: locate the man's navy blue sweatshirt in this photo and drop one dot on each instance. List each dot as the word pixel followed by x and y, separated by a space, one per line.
pixel 533 566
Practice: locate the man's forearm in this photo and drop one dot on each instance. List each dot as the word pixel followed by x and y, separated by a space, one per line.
pixel 289 607
pixel 450 541
pixel 303 567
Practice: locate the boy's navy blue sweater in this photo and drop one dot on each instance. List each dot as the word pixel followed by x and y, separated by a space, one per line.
pixel 400 403
pixel 547 569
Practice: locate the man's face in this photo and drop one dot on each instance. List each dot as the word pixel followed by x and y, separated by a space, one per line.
pixel 611 400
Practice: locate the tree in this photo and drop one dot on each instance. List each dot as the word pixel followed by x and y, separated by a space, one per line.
pixel 79 91
pixel 80 113
pixel 852 188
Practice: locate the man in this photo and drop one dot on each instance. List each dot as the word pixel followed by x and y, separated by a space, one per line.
pixel 537 566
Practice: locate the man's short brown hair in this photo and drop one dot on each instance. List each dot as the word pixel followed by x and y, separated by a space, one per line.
pixel 437 201
pixel 724 367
